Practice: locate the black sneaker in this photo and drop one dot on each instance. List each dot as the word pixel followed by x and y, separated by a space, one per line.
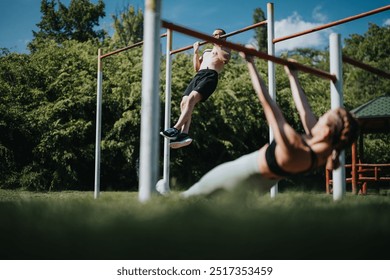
pixel 171 133
pixel 181 141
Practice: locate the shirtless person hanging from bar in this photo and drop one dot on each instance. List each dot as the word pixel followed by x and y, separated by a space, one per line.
pixel 204 83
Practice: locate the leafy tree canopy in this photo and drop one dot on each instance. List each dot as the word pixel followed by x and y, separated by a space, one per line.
pixel 261 31
pixel 76 22
pixel 129 26
pixel 48 103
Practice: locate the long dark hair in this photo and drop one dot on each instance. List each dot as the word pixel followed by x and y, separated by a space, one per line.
pixel 350 129
pixel 345 137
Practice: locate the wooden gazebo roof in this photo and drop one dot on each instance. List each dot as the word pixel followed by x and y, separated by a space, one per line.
pixel 374 116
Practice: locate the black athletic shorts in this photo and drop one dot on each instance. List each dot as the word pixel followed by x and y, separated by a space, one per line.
pixel 205 82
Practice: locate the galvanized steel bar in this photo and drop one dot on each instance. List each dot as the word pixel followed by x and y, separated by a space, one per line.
pixel 128 47
pixel 98 125
pixel 167 115
pixel 366 67
pixel 150 103
pixel 336 97
pixel 237 47
pixel 223 36
pixel 334 23
pixel 271 71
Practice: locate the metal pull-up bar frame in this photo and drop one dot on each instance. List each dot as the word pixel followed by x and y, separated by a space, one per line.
pixel 99 109
pixel 366 67
pixel 162 185
pixel 240 48
pixel 223 36
pixel 152 22
pixel 127 48
pixel 335 77
pixel 334 23
pixel 336 86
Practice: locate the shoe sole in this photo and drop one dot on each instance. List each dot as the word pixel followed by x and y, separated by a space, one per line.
pixel 168 137
pixel 177 145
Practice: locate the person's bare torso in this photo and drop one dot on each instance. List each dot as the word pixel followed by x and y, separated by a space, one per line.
pixel 211 60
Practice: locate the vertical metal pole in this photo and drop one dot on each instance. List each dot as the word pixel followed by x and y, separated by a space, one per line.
pixel 353 167
pixel 150 104
pixel 98 125
pixel 336 93
pixel 271 70
pixel 164 188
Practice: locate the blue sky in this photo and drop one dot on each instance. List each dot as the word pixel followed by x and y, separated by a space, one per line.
pixel 19 17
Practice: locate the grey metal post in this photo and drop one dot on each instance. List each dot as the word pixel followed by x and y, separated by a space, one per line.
pixel 271 70
pixel 336 93
pixel 164 188
pixel 150 104
pixel 98 125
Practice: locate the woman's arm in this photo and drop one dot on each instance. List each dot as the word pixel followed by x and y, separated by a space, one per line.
pixel 284 134
pixel 305 113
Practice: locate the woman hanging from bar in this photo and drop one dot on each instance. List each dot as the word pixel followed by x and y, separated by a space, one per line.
pixel 290 153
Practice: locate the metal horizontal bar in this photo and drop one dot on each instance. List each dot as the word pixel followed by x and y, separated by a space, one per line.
pixel 127 48
pixel 366 67
pixel 334 23
pixel 223 36
pixel 240 48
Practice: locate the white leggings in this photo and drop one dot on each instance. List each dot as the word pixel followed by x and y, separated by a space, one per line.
pixel 230 175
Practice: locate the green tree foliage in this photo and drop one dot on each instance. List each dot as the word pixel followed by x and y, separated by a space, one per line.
pixel 48 108
pixel 261 31
pixel 121 119
pixel 371 48
pixel 20 87
pixel 128 26
pixel 66 118
pixel 52 94
pixel 76 22
pixel 47 140
pixel 361 86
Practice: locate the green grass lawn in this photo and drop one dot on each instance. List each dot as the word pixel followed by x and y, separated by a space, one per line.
pixel 240 225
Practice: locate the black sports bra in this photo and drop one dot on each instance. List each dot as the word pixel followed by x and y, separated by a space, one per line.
pixel 277 170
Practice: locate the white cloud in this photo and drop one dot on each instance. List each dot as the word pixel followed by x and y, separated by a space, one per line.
pixel 387 22
pixel 318 16
pixel 294 24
